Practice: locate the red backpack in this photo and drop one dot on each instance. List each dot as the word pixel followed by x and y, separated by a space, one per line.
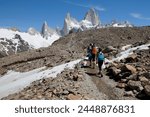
pixel 94 50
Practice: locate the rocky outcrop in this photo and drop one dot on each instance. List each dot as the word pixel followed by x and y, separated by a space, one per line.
pixel 132 74
pixel 47 31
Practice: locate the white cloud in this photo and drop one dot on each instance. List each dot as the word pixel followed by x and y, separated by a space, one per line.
pixel 99 8
pixel 86 6
pixel 139 16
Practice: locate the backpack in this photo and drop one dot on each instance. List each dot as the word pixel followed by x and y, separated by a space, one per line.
pixel 89 49
pixel 101 56
pixel 94 50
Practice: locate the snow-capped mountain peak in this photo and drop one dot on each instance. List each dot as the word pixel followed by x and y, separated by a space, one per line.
pixel 92 17
pixel 68 17
pixel 69 24
pixel 47 31
pixel 91 20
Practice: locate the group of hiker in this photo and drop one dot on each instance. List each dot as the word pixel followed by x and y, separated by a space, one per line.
pixel 95 56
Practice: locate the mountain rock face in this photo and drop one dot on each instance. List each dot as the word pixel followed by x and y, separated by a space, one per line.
pixel 69 24
pixel 47 31
pixel 13 45
pixel 92 17
pixel 91 20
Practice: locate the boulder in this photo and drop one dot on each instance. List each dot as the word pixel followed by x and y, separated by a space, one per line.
pixel 123 80
pixel 109 49
pixel 132 77
pixel 143 79
pixel 131 58
pixel 146 74
pixel 115 71
pixel 129 68
pixel 123 75
pixel 114 64
pixel 129 93
pixel 65 92
pixel 139 69
pixel 74 97
pixel 121 85
pixel 135 85
pixel 147 89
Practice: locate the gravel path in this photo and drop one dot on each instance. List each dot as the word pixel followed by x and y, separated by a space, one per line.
pixel 106 86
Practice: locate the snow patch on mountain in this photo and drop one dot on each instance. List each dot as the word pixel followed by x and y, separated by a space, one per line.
pixel 126 53
pixel 13 81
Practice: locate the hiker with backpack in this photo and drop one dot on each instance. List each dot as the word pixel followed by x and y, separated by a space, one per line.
pixel 89 53
pixel 100 61
pixel 94 55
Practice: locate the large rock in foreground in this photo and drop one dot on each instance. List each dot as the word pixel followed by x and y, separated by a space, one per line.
pixel 147 89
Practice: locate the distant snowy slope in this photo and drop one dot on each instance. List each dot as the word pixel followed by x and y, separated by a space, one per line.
pixel 35 41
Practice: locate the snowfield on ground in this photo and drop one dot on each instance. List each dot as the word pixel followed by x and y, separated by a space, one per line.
pixel 126 53
pixel 13 81
pixel 35 41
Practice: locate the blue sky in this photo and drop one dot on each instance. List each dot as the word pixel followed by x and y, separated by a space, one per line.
pixel 32 13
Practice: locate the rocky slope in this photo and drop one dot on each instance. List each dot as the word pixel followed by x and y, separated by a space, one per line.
pixel 133 74
pixel 69 85
pixel 72 47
